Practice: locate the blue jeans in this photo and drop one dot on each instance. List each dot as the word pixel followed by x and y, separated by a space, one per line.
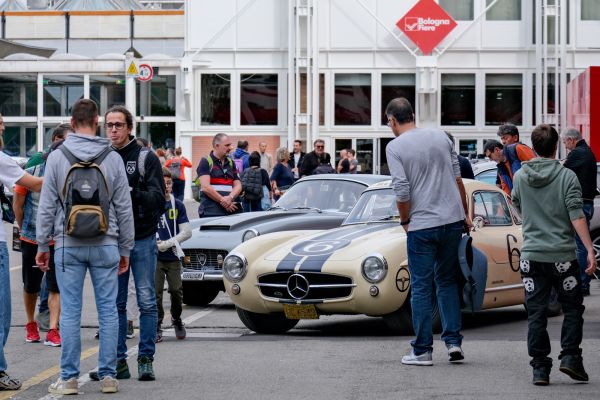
pixel 71 266
pixel 433 263
pixel 588 210
pixel 5 314
pixel 142 265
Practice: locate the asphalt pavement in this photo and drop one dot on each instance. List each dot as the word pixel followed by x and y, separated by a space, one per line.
pixel 335 357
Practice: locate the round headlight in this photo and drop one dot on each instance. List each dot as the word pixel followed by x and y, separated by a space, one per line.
pixel 234 267
pixel 374 268
pixel 249 234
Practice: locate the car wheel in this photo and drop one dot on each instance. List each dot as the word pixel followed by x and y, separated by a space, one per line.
pixel 199 294
pixel 400 321
pixel 266 323
pixel 554 306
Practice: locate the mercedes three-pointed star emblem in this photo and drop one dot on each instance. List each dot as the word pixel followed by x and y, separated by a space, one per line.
pixel 297 286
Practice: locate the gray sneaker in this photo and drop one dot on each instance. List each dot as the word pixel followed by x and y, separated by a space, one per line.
pixel 109 385
pixel 60 387
pixel 43 320
pixel 8 383
pixel 455 353
pixel 421 359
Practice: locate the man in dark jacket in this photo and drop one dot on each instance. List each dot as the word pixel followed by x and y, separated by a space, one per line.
pixel 582 161
pixel 315 158
pixel 147 188
pixel 296 159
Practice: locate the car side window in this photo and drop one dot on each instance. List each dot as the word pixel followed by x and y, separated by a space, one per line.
pixel 488 176
pixel 492 207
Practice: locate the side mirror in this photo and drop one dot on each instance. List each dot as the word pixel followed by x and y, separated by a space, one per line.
pixel 478 223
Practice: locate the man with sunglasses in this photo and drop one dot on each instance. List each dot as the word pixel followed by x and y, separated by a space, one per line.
pixel 147 189
pixel 315 159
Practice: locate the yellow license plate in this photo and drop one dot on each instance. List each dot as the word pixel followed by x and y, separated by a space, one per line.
pixel 300 311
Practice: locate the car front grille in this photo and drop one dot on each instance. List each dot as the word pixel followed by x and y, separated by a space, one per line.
pixel 320 286
pixel 203 258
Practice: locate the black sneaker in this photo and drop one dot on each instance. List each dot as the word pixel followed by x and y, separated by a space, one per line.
pixel 145 370
pixel 180 332
pixel 572 365
pixel 541 376
pixel 122 371
pixel 159 336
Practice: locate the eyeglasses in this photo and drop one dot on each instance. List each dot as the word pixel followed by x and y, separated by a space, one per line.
pixel 117 125
pixel 320 147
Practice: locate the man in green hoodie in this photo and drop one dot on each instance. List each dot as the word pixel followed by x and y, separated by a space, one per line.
pixel 549 198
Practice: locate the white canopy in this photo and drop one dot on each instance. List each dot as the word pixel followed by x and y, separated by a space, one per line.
pixel 95 5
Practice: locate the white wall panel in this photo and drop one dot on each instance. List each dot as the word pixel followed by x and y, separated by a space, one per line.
pixel 394 59
pixel 103 26
pixel 389 12
pixel 35 27
pixel 207 26
pixel 263 25
pixel 351 59
pixel 159 26
pixel 588 34
pixel 504 34
pixel 261 60
pixel 350 25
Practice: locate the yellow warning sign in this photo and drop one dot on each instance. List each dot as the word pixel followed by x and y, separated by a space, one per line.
pixel 133 70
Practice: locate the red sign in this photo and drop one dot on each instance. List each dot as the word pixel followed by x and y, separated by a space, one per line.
pixel 426 24
pixel 145 73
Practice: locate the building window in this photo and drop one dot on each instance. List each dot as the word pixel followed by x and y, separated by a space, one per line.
pixel 352 99
pixel 503 99
pixel 467 148
pixel 504 10
pixel 159 134
pixel 460 10
pixel 215 99
pixel 396 85
pixel 552 26
pixel 458 99
pixel 321 97
pixel 18 95
pixel 258 99
pixel 60 93
pixel 20 139
pixel 590 10
pixel 157 97
pixel 107 91
pixel 551 100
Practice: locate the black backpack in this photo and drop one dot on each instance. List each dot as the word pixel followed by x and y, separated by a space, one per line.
pixel 86 196
pixel 175 168
pixel 325 168
pixel 252 183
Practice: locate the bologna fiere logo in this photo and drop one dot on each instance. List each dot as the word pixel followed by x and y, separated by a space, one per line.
pixel 426 24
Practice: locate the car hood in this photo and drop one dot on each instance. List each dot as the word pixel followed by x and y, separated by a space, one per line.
pixel 341 244
pixel 245 221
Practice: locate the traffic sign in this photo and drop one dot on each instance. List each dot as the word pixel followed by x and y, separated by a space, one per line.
pixel 133 70
pixel 145 73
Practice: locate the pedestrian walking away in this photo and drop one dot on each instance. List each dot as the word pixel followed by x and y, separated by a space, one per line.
pixel 173 229
pixel 432 204
pixel 582 161
pixel 96 238
pixel 147 189
pixel 177 166
pixel 219 181
pixel 253 180
pixel 548 196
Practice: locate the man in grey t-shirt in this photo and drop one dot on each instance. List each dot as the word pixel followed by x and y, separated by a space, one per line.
pixel 432 204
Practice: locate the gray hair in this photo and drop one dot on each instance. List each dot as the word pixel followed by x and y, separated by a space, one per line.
pixel 282 153
pixel 571 133
pixel 218 138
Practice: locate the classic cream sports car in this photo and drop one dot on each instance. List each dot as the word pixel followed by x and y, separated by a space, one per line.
pixel 361 268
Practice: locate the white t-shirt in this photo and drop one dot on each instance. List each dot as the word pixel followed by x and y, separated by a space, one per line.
pixel 10 173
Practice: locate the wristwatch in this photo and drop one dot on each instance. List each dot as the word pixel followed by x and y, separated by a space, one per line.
pixel 405 222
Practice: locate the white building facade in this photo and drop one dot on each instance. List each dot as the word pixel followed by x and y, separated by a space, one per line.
pixel 276 71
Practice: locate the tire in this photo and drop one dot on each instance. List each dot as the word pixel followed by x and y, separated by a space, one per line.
pixel 400 321
pixel 199 294
pixel 554 306
pixel 270 324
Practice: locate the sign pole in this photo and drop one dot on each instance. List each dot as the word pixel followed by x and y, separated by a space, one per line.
pixel 130 101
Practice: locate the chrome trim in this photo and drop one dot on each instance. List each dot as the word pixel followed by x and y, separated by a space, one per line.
pixel 325 286
pixel 256 234
pixel 244 261
pixel 385 267
pixel 273 285
pixel 503 288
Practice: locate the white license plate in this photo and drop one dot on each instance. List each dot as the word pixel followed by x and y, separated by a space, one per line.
pixel 192 276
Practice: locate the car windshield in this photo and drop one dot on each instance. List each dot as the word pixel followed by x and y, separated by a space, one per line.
pixel 373 206
pixel 321 195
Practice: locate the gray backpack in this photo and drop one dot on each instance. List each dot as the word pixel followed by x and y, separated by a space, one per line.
pixel 252 183
pixel 85 197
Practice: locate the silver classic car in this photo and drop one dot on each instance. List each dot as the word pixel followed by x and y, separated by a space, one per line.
pixel 313 203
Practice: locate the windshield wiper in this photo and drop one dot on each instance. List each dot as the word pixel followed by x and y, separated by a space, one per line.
pixel 277 208
pixel 386 218
pixel 307 208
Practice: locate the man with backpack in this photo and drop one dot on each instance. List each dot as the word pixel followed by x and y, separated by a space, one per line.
pixel 85 207
pixel 176 166
pixel 240 156
pixel 147 188
pixel 317 161
pixel 509 159
pixel 253 179
pixel 219 180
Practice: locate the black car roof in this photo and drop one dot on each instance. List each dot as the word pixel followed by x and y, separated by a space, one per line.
pixel 365 179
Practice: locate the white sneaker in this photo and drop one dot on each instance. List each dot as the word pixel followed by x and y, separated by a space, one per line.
pixel 455 353
pixel 60 387
pixel 421 359
pixel 109 385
